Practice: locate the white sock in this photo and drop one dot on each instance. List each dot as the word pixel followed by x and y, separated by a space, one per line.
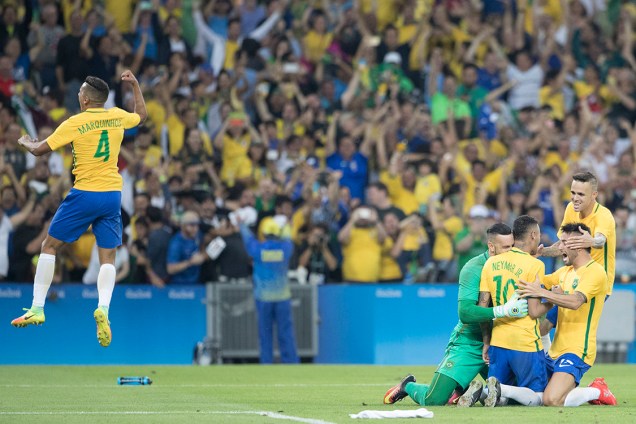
pixel 43 277
pixel 106 284
pixel 547 342
pixel 581 395
pixel 523 395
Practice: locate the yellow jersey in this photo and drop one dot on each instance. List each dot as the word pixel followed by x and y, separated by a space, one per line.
pixel 399 195
pixel 176 137
pixel 315 45
pixel 576 329
pixel 499 278
pixel 389 268
pixel 427 186
pixel 443 246
pixel 556 100
pixel 361 256
pixel 599 221
pixel 95 136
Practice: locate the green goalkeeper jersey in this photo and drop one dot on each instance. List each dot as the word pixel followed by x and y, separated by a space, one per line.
pixel 469 278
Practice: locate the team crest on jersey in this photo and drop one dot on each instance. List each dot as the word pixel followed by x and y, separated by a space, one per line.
pixel 449 364
pixel 575 283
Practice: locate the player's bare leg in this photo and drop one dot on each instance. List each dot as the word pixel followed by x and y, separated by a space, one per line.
pixel 562 391
pixel 560 385
pixel 42 282
pixel 105 287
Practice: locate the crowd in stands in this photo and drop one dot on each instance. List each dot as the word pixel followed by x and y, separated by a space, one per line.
pixel 383 136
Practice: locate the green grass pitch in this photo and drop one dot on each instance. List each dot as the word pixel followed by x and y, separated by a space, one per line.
pixel 314 394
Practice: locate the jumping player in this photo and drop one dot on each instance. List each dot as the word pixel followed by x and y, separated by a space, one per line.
pixel 95 135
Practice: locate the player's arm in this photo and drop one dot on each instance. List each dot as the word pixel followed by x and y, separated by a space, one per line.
pixel 535 292
pixel 140 104
pixel 34 146
pixel 471 313
pixel 486 327
pixel 550 251
pixel 585 240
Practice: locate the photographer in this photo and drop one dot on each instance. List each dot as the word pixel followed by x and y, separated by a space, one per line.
pixel 316 256
pixel 362 238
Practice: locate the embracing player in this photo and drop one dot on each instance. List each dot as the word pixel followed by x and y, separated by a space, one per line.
pixel 600 235
pixel 513 347
pixel 463 360
pixel 582 286
pixel 95 135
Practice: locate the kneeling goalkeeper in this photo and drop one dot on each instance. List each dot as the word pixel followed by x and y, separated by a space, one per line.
pixel 463 360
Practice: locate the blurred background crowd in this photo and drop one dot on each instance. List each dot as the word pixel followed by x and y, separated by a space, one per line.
pixel 381 136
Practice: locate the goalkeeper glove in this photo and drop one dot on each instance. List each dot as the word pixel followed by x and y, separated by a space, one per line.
pixel 513 308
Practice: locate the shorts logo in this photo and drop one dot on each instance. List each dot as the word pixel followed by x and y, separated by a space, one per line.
pixel 449 364
pixel 575 283
pixel 565 363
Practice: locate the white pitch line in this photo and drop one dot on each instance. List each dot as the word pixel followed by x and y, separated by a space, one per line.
pixel 269 414
pixel 191 385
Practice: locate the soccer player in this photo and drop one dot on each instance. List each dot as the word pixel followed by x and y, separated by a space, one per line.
pixel 95 199
pixel 512 347
pixel 463 361
pixel 583 285
pixel 599 220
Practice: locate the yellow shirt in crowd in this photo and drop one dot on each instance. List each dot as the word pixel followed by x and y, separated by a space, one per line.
pixel 176 136
pixel 362 256
pixel 443 246
pixel 389 268
pixel 315 45
pixel 234 153
pixel 399 195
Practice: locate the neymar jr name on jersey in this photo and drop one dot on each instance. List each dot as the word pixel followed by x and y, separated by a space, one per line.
pixel 507 266
pixel 99 124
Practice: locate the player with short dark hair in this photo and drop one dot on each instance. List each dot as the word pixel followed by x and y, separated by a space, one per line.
pixel 96 135
pixel 578 290
pixel 512 348
pixel 463 359
pixel 601 236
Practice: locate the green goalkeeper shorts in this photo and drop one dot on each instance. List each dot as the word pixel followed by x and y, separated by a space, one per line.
pixel 462 363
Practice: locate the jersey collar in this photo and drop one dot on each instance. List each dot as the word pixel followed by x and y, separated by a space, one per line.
pixel 517 250
pixel 95 110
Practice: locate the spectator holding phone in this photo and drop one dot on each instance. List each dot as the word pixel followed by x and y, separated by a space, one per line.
pixel 362 238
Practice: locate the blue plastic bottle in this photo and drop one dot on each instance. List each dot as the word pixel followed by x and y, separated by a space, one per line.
pixel 134 381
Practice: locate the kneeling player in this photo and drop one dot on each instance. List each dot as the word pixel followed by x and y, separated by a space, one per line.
pixel 463 361
pixel 583 286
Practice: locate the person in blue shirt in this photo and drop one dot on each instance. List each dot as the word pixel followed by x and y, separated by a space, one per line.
pixel 184 253
pixel 350 160
pixel 271 290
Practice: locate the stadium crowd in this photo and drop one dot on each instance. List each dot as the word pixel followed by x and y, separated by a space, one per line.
pixel 382 136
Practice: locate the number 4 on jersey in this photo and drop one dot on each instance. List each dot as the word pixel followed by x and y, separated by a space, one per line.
pixel 103 148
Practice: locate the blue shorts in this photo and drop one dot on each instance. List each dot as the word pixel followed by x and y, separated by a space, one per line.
pixel 568 363
pixel 80 209
pixel 553 313
pixel 515 368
